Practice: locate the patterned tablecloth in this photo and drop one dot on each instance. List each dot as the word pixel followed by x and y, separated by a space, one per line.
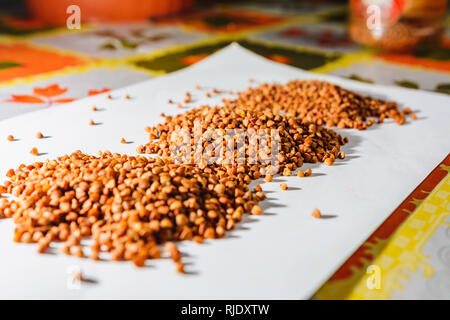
pixel 42 67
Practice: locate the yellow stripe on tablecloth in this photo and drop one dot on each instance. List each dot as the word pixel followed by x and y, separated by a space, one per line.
pixel 401 255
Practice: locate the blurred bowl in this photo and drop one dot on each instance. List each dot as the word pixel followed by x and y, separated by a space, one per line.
pixel 54 11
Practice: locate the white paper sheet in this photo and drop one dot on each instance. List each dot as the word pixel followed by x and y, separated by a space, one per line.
pixel 283 254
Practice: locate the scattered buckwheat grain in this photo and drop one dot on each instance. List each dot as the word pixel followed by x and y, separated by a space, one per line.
pixel 308 172
pixel 316 213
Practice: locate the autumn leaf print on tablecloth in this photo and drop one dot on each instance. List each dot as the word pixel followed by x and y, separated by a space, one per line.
pixel 46 95
pixel 94 92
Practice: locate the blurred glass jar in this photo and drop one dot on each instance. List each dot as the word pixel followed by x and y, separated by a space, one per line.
pixel 397 25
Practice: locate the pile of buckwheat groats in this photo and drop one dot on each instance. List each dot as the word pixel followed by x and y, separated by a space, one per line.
pixel 299 142
pixel 322 103
pixel 130 206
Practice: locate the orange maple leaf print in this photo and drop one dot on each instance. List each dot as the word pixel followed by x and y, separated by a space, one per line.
pixel 50 91
pixel 189 60
pixel 94 92
pixel 64 100
pixel 278 58
pixel 42 95
pixel 24 98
